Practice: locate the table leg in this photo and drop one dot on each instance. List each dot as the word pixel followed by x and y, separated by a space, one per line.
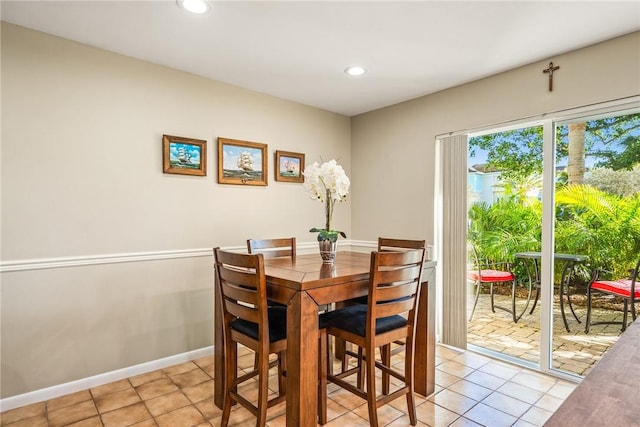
pixel 425 340
pixel 536 281
pixel 218 352
pixel 571 270
pixel 302 361
pixel 513 295
pixel 564 316
pixel 567 272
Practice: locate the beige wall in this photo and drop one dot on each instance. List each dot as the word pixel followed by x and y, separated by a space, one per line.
pixel 82 176
pixel 393 149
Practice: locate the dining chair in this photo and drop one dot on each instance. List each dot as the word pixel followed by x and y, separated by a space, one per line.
pixel 388 316
pixel 272 248
pixel 242 288
pixel 385 244
pixel 286 247
pixel 628 289
pixel 480 272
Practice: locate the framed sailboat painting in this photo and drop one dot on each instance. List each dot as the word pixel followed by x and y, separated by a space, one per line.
pixel 242 162
pixel 289 166
pixel 185 156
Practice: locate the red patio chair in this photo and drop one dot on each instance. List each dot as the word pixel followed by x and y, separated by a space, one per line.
pixel 628 289
pixel 482 271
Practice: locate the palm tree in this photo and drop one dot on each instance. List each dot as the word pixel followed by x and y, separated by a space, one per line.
pixel 575 166
pixel 604 226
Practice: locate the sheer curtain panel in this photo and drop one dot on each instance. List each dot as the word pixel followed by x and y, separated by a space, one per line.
pixel 453 237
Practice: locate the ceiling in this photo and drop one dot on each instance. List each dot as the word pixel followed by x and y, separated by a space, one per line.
pixel 298 50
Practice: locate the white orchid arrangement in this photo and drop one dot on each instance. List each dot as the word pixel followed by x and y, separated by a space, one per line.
pixel 327 183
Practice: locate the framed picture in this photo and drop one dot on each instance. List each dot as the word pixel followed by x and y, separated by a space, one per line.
pixel 185 156
pixel 242 162
pixel 289 166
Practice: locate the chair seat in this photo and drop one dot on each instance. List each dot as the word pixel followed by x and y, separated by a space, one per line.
pixel 620 287
pixel 360 300
pixel 277 325
pixel 354 318
pixel 491 276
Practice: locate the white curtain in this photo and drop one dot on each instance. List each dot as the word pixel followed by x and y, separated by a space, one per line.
pixel 453 236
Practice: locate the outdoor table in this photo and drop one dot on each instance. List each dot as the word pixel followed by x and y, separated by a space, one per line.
pixel 531 261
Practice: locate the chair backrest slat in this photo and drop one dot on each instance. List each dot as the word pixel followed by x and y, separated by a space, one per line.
pixel 245 278
pixel 246 295
pixel 271 248
pixel 394 307
pixel 389 244
pixel 406 273
pixel 396 291
pixel 240 311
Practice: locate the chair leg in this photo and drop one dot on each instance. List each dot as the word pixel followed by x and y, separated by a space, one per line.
pixel 513 302
pixel 330 355
pixel 385 353
pixel 475 301
pixel 282 373
pixel 587 323
pixel 361 368
pixel 345 364
pixel 371 387
pixel 493 308
pixel 408 379
pixel 411 407
pixel 263 391
pixel 323 362
pixel 232 374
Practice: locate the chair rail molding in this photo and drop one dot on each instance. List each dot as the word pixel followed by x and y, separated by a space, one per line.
pixel 76 261
pixel 115 258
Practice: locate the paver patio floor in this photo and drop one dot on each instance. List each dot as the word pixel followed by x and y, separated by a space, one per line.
pixel 574 352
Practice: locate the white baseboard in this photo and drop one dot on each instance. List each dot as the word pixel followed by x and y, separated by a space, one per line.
pixel 97 380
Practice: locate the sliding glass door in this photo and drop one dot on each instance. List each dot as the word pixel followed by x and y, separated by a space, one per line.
pixel 548 202
pixel 504 223
pixel 597 226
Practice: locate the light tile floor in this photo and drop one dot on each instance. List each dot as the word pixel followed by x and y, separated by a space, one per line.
pixel 471 390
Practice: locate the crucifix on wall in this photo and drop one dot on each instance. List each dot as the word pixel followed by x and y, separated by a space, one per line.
pixel 550 71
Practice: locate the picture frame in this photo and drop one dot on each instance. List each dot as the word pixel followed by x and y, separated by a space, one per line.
pixel 184 156
pixel 242 162
pixel 289 166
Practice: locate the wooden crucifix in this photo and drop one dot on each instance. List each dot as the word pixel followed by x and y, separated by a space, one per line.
pixel 550 71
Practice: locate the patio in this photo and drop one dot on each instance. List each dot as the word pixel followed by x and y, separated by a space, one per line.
pixel 574 351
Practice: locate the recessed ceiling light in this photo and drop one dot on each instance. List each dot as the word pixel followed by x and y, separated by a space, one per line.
pixel 194 6
pixel 355 70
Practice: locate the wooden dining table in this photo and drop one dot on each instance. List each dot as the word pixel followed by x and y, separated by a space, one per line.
pixel 304 284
